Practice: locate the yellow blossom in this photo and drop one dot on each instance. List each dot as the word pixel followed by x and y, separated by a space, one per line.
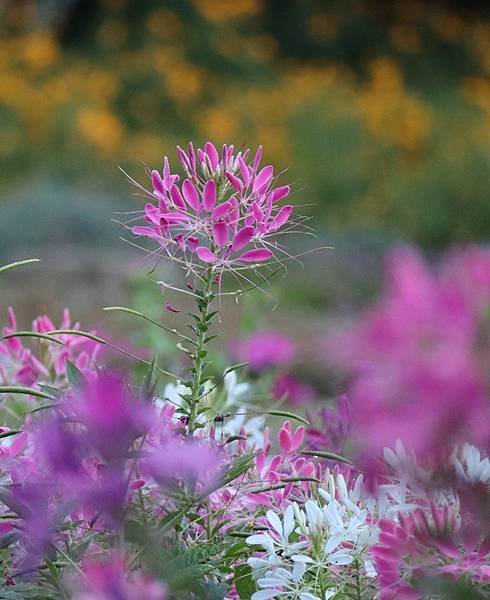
pixel 100 128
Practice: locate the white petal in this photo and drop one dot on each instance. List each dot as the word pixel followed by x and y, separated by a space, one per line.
pixel 275 521
pixel 288 521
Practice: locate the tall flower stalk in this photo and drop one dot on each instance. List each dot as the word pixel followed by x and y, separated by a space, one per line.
pixel 223 218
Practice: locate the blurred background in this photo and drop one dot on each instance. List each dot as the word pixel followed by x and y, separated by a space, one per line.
pixel 379 111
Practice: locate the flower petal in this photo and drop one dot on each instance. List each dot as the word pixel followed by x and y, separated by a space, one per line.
pixel 242 238
pixel 213 155
pixel 263 178
pixel 281 218
pixel 256 255
pixel 220 233
pixel 191 195
pixel 206 255
pixel 209 195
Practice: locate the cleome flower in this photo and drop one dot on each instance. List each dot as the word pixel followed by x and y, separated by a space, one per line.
pixel 315 549
pixel 224 213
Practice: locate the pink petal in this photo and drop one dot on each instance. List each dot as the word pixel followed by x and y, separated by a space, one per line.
pixel 209 195
pixel 156 181
pixel 206 255
pixel 284 437
pixel 257 159
pixel 235 182
pixel 279 193
pixel 212 155
pixel 220 233
pixel 244 171
pixel 145 231
pixel 242 238
pixel 192 243
pixel 263 178
pixel 177 197
pixel 221 210
pixel 190 195
pixel 257 255
pixel 171 308
pixel 281 218
pixel 297 439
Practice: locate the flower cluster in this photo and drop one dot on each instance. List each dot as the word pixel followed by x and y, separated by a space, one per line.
pixel 45 362
pixel 224 213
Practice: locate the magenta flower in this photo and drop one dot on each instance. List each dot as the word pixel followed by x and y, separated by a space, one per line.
pixel 265 349
pixel 292 390
pixel 225 212
pixel 417 361
pixel 424 545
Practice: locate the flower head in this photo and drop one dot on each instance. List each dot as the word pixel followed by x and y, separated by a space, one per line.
pixel 224 212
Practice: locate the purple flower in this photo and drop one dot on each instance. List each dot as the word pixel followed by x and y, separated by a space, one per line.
pixel 110 579
pixel 113 419
pixel 178 459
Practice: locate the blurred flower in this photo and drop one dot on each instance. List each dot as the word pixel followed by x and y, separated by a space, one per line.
pixel 265 349
pixel 108 579
pixel 417 358
pixel 292 390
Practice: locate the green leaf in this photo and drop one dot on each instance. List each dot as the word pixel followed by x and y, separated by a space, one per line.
pixel 18 389
pixel 147 388
pixel 75 377
pixel 244 582
pixel 235 367
pixel 288 415
pixel 19 263
pixel 326 455
pixel 33 334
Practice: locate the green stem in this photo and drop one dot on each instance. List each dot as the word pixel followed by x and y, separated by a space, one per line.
pixel 199 354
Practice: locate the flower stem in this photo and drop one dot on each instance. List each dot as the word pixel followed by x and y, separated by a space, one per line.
pixel 204 302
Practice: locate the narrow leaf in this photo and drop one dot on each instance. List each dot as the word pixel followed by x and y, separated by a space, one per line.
pixel 33 334
pixel 18 389
pixel 326 455
pixel 288 415
pixel 19 263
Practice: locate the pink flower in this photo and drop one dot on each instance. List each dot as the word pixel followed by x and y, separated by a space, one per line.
pixel 288 441
pixel 424 545
pixel 293 390
pixel 265 349
pixel 417 363
pixel 225 205
pixel 44 361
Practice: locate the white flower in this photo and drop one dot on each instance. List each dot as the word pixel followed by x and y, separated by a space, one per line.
pixel 173 392
pixel 470 466
pixel 253 428
pixel 278 539
pixel 282 583
pixel 234 390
